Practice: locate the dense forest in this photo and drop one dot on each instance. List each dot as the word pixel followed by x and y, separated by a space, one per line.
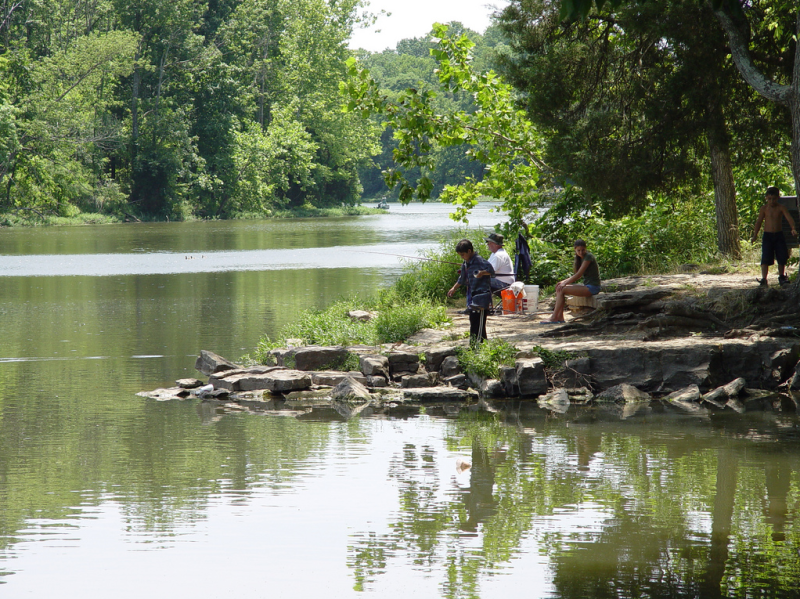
pixel 177 108
pixel 655 111
pixel 223 108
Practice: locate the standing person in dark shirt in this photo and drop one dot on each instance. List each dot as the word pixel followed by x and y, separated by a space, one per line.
pixel 476 274
pixel 585 266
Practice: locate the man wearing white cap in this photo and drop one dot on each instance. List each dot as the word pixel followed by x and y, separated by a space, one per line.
pixel 500 261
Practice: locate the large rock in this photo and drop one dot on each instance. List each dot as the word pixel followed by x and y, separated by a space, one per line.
pixel 437 394
pixel 580 395
pixel 735 387
pixel 675 364
pixel 623 393
pixel 189 383
pixel 231 380
pixel 374 365
pixel 435 356
pixel 402 362
pixel 350 389
pixel 690 393
pixel 492 388
pixel 210 363
pixel 716 398
pixel 531 377
pixel 166 394
pixel 557 401
pixel 449 367
pixel 376 381
pixel 413 381
pixel 458 380
pixel 313 357
pixel 334 377
pixel 282 381
pixel 508 376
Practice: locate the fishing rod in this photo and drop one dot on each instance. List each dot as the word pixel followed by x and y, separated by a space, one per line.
pixel 404 256
pixel 497 274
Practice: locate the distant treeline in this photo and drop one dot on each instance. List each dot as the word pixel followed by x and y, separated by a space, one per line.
pixel 410 65
pixel 177 108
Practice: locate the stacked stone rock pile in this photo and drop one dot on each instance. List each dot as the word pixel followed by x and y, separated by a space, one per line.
pixel 433 375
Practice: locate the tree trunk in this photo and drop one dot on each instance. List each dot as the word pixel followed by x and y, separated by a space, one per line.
pixel 794 109
pixel 786 95
pixel 724 197
pixel 135 104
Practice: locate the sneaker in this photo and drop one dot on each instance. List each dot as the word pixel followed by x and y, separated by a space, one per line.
pixel 783 280
pixel 762 282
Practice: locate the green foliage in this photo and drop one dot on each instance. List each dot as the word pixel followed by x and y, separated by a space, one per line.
pixel 177 109
pixel 396 320
pixel 666 233
pixel 485 359
pixel 399 318
pixel 431 278
pixel 498 133
pixel 552 358
pixel 411 65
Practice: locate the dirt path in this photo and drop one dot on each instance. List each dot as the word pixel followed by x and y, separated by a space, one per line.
pixel 526 330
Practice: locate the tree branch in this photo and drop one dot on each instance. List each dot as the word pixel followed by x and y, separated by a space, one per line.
pixel 740 52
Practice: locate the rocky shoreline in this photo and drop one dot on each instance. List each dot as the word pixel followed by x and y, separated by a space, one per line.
pixel 665 341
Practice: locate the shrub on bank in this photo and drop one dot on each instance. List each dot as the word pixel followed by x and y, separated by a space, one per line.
pixel 396 320
pixel 485 359
pixel 665 234
pixel 431 278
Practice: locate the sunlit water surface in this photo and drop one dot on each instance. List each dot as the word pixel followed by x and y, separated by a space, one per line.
pixel 106 494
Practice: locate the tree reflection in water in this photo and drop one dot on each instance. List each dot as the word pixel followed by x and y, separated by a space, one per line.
pixel 679 510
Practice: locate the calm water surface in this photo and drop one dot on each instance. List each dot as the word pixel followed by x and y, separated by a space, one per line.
pixel 106 494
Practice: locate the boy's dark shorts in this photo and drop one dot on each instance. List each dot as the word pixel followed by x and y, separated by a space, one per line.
pixel 773 245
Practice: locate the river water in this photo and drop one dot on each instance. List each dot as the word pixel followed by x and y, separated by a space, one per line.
pixel 107 494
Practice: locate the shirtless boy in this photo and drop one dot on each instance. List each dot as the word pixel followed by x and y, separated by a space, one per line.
pixel 773 245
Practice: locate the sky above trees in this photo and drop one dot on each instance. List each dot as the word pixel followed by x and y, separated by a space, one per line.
pixel 414 18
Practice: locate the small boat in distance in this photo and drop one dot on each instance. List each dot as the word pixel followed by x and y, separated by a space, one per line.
pixel 383 204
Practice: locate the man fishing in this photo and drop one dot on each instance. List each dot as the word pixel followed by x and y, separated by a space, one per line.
pixel 476 274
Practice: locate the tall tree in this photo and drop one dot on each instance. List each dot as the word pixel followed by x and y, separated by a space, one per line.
pixel 763 40
pixel 636 99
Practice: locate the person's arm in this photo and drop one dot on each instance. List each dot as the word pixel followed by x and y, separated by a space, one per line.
pixel 488 270
pixel 759 220
pixel 789 218
pixel 458 283
pixel 576 277
pixel 453 289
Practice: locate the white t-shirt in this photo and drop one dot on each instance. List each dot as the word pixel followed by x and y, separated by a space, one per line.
pixel 501 262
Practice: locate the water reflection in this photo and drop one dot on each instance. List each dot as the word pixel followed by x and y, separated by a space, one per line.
pixel 619 514
pixel 98 486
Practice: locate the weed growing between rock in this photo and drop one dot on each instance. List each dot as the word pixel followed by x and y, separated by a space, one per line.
pixel 553 359
pixel 486 359
pixel 395 321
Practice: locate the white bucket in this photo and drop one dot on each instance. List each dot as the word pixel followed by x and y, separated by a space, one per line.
pixel 531 301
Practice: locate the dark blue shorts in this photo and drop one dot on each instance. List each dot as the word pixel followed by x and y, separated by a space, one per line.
pixel 773 247
pixel 595 289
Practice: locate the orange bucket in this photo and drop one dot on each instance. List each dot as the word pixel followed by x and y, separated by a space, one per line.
pixel 511 303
